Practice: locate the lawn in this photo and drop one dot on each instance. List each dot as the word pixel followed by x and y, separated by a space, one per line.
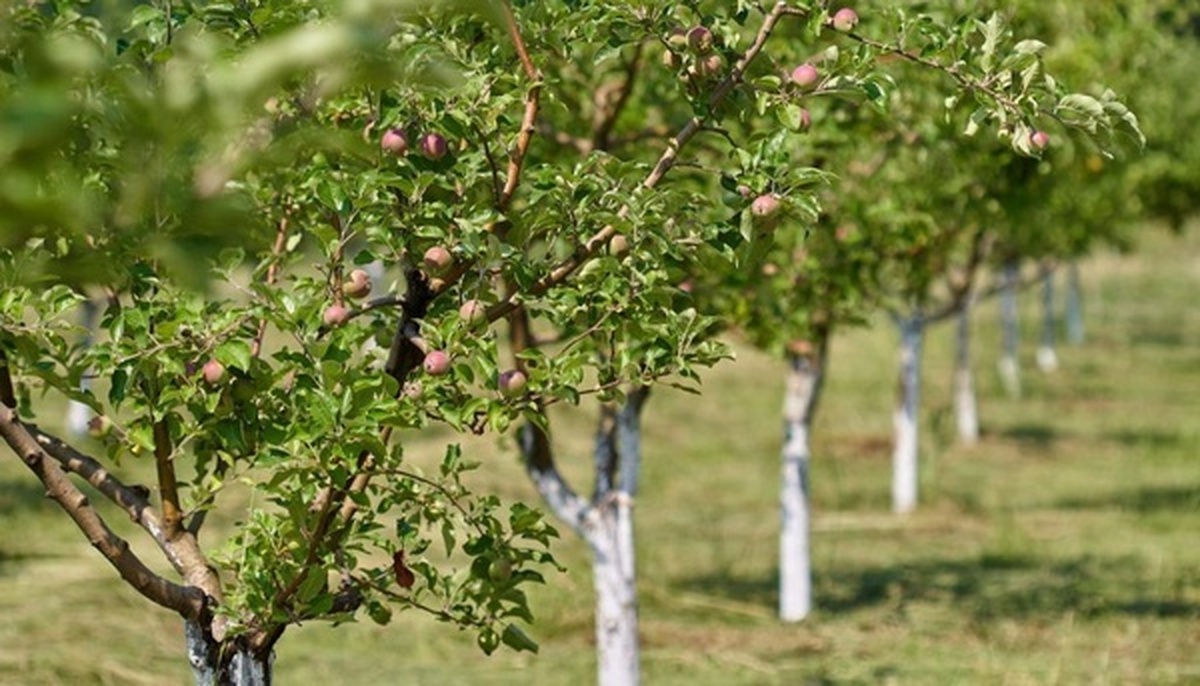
pixel 1060 550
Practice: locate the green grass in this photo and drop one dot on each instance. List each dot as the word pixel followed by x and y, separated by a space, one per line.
pixel 1060 550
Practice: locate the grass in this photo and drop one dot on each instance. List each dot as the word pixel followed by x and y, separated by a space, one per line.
pixel 1060 550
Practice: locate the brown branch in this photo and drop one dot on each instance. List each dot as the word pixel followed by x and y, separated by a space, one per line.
pixel 168 484
pixel 532 102
pixel 606 114
pixel 188 601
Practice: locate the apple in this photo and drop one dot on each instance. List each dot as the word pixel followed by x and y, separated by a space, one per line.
pixel 678 38
pixel 437 362
pixel 500 569
pixel 806 76
pixel 473 312
pixel 413 390
pixel 511 382
pixel 805 119
pixel 99 426
pixel 765 206
pixel 437 259
pixel 700 40
pixel 214 372
pixel 394 141
pixel 671 60
pixel 709 66
pixel 1040 139
pixel 433 146
pixel 618 245
pixel 358 285
pixel 336 315
pixel 845 20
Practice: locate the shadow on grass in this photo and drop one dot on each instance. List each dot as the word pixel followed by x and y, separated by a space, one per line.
pixel 18 495
pixel 1144 500
pixel 989 587
pixel 1155 439
pixel 1042 436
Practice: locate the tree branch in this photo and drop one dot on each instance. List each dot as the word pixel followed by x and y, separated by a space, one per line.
pixel 188 601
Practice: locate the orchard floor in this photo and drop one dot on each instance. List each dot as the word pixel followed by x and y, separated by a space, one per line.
pixel 1062 549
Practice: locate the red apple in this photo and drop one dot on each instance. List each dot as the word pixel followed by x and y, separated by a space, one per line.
pixel 700 40
pixel 336 315
pixel 765 206
pixel 806 76
pixel 99 426
pixel 805 120
pixel 709 66
pixel 437 362
pixel 214 372
pixel 845 20
pixel 394 141
pixel 618 245
pixel 437 259
pixel 473 312
pixel 511 382
pixel 433 146
pixel 1040 139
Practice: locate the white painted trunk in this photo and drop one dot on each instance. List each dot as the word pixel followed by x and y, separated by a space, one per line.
pixel 1047 356
pixel 614 575
pixel 78 414
pixel 795 556
pixel 966 412
pixel 1010 370
pixel 1074 306
pixel 904 457
pixel 242 668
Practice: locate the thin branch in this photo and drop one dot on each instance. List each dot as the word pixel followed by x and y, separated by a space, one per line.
pixel 272 275
pixel 606 114
pixel 532 102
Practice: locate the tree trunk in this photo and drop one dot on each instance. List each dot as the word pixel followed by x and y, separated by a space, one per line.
pixel 1010 371
pixel 904 457
pixel 804 379
pixel 78 414
pixel 1074 306
pixel 614 575
pixel 231 664
pixel 966 412
pixel 1047 357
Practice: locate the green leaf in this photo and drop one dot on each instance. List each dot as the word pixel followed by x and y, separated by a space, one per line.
pixel 514 637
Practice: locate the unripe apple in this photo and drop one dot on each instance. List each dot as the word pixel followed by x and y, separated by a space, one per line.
pixel 336 315
pixel 433 146
pixel 700 40
pixel 845 20
pixel 500 569
pixel 511 382
pixel 765 206
pixel 473 312
pixel 806 76
pixel 437 259
pixel 358 285
pixel 671 60
pixel 1040 139
pixel 437 362
pixel 99 426
pixel 618 245
pixel 678 38
pixel 214 372
pixel 394 141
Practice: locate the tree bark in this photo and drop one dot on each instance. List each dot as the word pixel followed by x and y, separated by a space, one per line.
pixel 1047 357
pixel 966 411
pixel 1074 306
pixel 805 374
pixel 231 664
pixel 615 580
pixel 1010 371
pixel 904 457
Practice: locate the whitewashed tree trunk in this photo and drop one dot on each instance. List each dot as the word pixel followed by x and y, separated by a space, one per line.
pixel 904 457
pixel 795 557
pixel 606 523
pixel 78 414
pixel 966 411
pixel 1074 306
pixel 1047 356
pixel 1010 370
pixel 241 668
